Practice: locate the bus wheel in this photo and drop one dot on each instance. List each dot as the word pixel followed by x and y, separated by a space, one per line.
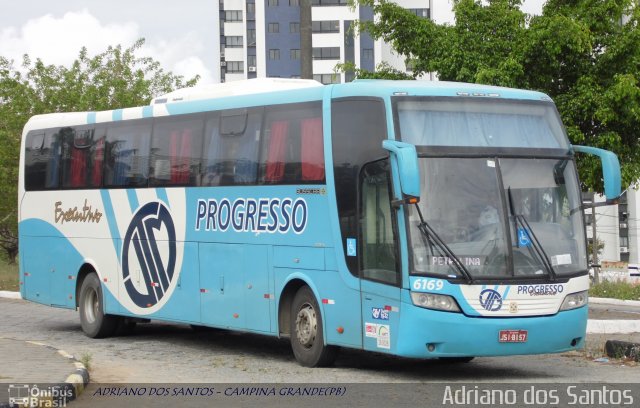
pixel 94 322
pixel 307 340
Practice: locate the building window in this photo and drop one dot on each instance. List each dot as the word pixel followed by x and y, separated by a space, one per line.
pixel 326 53
pixel 273 3
pixel 294 54
pixel 251 7
pixel 294 3
pixel 251 37
pixel 236 67
pixel 326 26
pixel 234 41
pixel 251 61
pixel 294 27
pixel 420 12
pixel 327 78
pixel 367 53
pixel 274 54
pixel 232 15
pixel 274 27
pixel 329 2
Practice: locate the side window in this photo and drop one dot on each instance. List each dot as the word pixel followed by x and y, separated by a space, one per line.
pixel 127 155
pixel 42 160
pixel 292 146
pixel 82 157
pixel 175 152
pixel 377 225
pixel 358 127
pixel 231 148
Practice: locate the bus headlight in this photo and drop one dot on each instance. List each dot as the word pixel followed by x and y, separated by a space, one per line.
pixel 437 302
pixel 575 300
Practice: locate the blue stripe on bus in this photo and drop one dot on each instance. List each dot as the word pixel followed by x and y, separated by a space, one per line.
pixel 162 195
pixel 116 114
pixel 111 220
pixel 133 200
pixel 91 118
pixel 147 111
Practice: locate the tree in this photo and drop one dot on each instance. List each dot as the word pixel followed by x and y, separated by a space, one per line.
pixel 585 54
pixel 116 78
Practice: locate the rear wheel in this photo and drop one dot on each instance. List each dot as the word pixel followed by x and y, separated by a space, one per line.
pixel 94 322
pixel 307 339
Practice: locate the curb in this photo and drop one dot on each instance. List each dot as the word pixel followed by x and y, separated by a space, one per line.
pixel 619 349
pixel 70 389
pixel 10 295
pixel 618 302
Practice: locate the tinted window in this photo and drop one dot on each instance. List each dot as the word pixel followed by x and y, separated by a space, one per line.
pixel 292 147
pixel 231 148
pixel 175 152
pixel 42 160
pixel 358 127
pixel 127 158
pixel 82 157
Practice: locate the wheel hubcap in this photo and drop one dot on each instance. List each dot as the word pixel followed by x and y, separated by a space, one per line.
pixel 306 326
pixel 91 306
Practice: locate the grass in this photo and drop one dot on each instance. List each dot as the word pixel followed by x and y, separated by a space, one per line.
pixel 616 290
pixel 8 275
pixel 86 360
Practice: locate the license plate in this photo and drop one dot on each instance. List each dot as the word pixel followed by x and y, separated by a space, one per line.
pixel 513 336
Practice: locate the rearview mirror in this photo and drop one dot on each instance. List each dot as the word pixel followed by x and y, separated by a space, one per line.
pixel 610 170
pixel 407 168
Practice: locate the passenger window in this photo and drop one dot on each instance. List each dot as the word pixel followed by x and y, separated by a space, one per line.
pixel 231 148
pixel 292 146
pixel 127 158
pixel 377 225
pixel 42 160
pixel 175 152
pixel 82 157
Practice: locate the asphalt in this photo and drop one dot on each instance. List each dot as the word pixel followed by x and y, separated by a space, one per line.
pixel 59 376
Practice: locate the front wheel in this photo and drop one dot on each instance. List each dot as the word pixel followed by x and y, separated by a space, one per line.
pixel 94 322
pixel 307 340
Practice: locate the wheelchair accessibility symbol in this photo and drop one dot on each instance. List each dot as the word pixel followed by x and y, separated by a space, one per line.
pixel 351 247
pixel 523 238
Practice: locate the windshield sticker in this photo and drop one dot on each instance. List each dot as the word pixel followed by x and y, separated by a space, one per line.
pixel 564 259
pixel 523 238
pixel 491 163
pixel 540 290
pixel 351 247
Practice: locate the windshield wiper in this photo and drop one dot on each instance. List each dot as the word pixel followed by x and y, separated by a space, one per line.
pixel 431 236
pixel 535 243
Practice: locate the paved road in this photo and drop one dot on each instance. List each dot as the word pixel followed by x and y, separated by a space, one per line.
pixel 159 352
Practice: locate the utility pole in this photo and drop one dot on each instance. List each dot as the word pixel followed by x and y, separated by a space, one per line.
pixel 306 53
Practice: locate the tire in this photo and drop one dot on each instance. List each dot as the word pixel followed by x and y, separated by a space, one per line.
pixel 307 337
pixel 94 322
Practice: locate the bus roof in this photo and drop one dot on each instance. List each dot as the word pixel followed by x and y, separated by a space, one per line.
pixel 255 92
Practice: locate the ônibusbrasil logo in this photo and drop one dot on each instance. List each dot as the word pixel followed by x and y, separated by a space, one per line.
pixel 150 226
pixel 491 300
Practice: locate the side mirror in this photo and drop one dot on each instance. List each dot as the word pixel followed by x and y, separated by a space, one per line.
pixel 407 167
pixel 610 170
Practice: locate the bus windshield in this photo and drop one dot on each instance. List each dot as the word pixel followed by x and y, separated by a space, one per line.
pixel 499 217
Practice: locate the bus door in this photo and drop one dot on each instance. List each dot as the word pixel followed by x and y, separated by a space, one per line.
pixel 379 262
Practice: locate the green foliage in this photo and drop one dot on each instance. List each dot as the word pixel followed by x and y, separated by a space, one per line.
pixel 585 54
pixel 116 78
pixel 615 290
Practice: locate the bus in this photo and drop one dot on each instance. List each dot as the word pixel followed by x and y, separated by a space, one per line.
pixel 420 219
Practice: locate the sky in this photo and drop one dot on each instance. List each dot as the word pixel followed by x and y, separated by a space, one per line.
pixel 181 35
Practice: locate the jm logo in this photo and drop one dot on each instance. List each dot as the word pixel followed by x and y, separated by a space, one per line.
pixel 141 244
pixel 491 300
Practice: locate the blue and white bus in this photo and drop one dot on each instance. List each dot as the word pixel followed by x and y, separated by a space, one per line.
pixel 420 219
